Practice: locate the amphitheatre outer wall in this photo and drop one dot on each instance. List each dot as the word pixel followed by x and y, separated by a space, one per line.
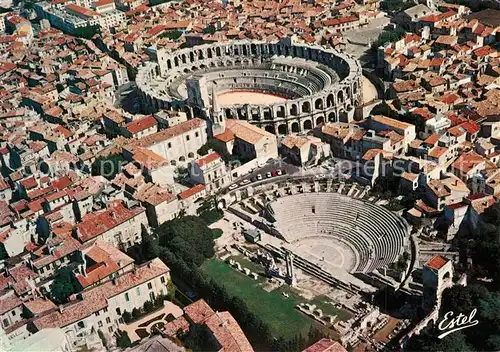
pixel 319 84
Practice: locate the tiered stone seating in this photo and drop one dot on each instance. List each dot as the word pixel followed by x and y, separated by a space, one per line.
pixel 373 232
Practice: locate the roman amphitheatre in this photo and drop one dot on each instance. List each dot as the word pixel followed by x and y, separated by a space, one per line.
pixel 335 231
pixel 282 86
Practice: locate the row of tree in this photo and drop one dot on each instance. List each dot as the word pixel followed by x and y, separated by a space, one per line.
pixel 184 244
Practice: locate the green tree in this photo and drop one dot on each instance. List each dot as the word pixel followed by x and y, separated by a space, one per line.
pixel 136 313
pixel 122 339
pixel 393 6
pixel 87 32
pixel 149 306
pixel 462 298
pixel 3 252
pixel 216 146
pixel 388 37
pixel 199 338
pixel 108 166
pixel 149 245
pixel 127 317
pixel 173 35
pixel 188 237
pixel 102 337
pixel 210 29
pixel 170 290
pixel 427 341
pixel 63 286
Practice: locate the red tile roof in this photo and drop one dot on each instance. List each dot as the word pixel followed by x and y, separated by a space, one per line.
pixel 325 345
pixel 208 159
pixel 95 224
pixel 141 124
pixel 168 133
pixel 228 333
pixel 29 183
pixel 103 2
pixel 9 303
pixel 437 262
pixel 226 136
pixel 192 191
pixel 198 311
pixel 82 10
pixel 96 298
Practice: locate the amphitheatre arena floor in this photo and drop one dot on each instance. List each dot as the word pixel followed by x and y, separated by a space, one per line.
pixel 336 254
pixel 369 91
pixel 247 97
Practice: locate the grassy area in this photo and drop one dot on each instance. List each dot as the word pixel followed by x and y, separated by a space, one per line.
pixel 245 262
pixel 210 216
pixel 217 233
pixel 272 307
pixel 279 312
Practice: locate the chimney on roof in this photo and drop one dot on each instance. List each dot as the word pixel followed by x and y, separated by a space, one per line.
pixel 60 308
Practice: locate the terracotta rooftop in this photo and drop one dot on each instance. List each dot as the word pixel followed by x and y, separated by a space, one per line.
pixel 208 159
pixel 192 191
pixel 95 224
pixel 325 345
pixel 141 124
pixel 198 311
pixel 437 262
pixel 96 298
pixel 169 133
pixel 228 333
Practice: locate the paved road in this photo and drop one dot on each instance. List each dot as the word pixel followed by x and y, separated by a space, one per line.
pixel 342 166
pixel 359 39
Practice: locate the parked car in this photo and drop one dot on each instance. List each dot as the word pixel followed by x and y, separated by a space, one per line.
pixel 268 175
pixel 258 177
pixel 244 182
pixel 346 175
pixel 280 172
pixel 233 186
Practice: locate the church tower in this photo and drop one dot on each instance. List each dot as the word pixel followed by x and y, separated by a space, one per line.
pixel 216 115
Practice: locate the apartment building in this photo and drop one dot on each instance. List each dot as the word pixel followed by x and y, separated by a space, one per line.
pixel 177 144
pixel 101 307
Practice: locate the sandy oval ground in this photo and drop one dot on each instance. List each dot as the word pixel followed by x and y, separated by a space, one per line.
pixel 247 97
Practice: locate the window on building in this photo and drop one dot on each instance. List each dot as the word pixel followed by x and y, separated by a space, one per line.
pixel 196 134
pixel 41 270
pixel 108 320
pixel 150 286
pixel 5 323
pixel 110 329
pixel 105 310
pixel 81 324
pixel 127 298
pixel 118 311
pixel 97 313
pixel 162 279
pixel 99 324
pixel 169 145
pixel 187 137
pixel 13 313
pixel 138 291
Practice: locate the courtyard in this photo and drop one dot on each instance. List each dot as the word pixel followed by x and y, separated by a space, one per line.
pixel 143 327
